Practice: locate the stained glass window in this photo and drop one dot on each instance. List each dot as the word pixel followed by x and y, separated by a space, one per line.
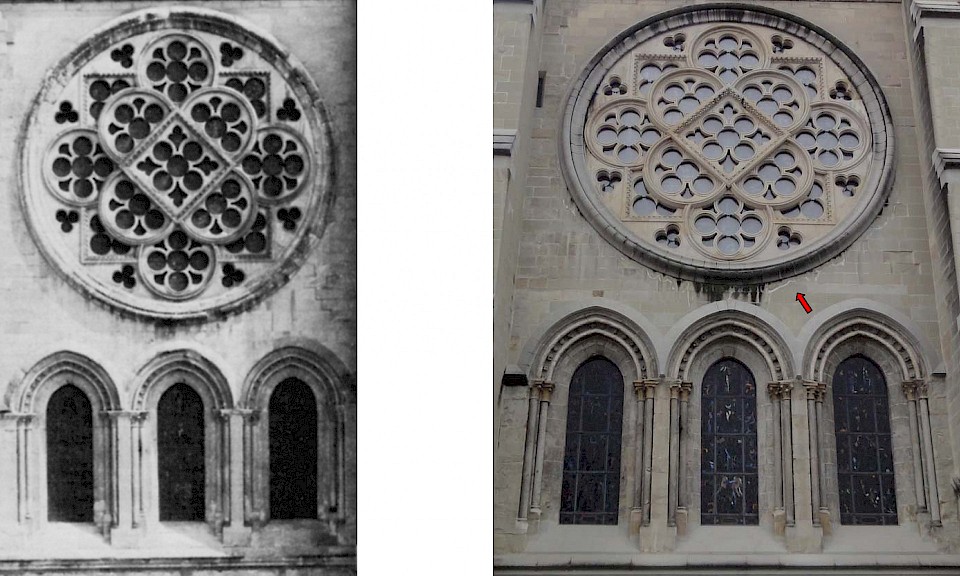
pixel 864 452
pixel 728 454
pixel 69 456
pixel 180 444
pixel 293 451
pixel 591 460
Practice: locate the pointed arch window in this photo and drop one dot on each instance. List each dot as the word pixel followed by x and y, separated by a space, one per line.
pixel 69 421
pixel 180 447
pixel 864 444
pixel 728 434
pixel 293 451
pixel 591 460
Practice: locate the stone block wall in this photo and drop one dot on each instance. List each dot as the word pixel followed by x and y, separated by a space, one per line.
pixel 902 265
pixel 315 310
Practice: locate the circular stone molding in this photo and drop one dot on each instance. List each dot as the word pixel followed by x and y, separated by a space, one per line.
pixel 176 165
pixel 728 143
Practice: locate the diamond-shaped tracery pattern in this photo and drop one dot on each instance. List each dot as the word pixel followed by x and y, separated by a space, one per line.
pixel 180 166
pixel 731 142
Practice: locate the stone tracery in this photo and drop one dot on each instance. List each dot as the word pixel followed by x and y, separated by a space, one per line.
pixel 744 116
pixel 192 176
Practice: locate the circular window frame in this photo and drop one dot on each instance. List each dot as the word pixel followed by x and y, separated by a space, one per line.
pixel 581 183
pixel 320 186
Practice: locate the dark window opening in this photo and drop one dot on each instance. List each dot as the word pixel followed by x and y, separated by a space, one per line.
pixel 728 446
pixel 591 459
pixel 180 448
pixel 69 456
pixel 861 415
pixel 540 81
pixel 293 451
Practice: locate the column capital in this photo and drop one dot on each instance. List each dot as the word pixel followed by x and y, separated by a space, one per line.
pixel 133 415
pixel 685 389
pixel 546 390
pixel 912 389
pixel 773 389
pixel 812 388
pixel 226 413
pixel 649 387
pixel 674 389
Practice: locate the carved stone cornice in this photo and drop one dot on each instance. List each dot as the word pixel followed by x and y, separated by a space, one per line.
pixel 924 10
pixel 947 161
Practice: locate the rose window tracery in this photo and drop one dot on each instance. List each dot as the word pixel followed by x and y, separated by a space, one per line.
pixel 745 147
pixel 188 178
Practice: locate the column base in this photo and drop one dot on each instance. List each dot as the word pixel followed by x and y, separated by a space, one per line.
pixel 658 538
pixel 826 523
pixel 779 522
pixel 127 537
pixel 681 521
pixel 238 536
pixel 636 520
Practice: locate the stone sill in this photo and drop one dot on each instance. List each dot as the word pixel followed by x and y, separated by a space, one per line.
pixel 621 562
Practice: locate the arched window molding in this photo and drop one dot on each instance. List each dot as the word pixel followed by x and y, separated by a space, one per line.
pixel 29 402
pixel 331 384
pixel 547 434
pixel 900 353
pixel 742 334
pixel 771 509
pixel 551 361
pixel 164 371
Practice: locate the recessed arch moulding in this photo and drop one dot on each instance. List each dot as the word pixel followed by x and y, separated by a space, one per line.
pixel 727 143
pixel 655 354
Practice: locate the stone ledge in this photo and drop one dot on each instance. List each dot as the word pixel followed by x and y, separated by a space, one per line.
pixel 620 563
pixel 503 141
pixel 347 560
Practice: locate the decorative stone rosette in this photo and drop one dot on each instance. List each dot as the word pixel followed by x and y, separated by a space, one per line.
pixel 710 149
pixel 181 171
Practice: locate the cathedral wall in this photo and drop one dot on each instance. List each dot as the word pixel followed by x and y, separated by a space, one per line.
pixel 564 265
pixel 41 314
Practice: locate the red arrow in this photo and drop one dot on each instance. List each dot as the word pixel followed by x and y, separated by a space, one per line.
pixel 802 299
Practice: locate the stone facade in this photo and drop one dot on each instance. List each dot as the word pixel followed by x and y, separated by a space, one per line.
pixel 565 293
pixel 293 315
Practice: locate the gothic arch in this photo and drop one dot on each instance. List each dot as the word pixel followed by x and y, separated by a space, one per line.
pixel 158 375
pixel 29 400
pixel 598 324
pixel 332 386
pixel 58 368
pixel 165 368
pixel 903 345
pixel 723 321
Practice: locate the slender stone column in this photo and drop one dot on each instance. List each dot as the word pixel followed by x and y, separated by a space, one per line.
pixel 812 390
pixel 824 511
pixel 529 449
pixel 786 436
pixel 236 534
pixel 638 443
pixel 127 477
pixel 773 388
pixel 684 492
pixel 909 388
pixel 546 392
pixel 250 499
pixel 933 498
pixel 674 453
pixel 649 391
pixel 24 489
pixel 136 465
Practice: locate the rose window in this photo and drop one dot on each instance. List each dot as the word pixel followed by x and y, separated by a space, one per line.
pixel 180 171
pixel 745 148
